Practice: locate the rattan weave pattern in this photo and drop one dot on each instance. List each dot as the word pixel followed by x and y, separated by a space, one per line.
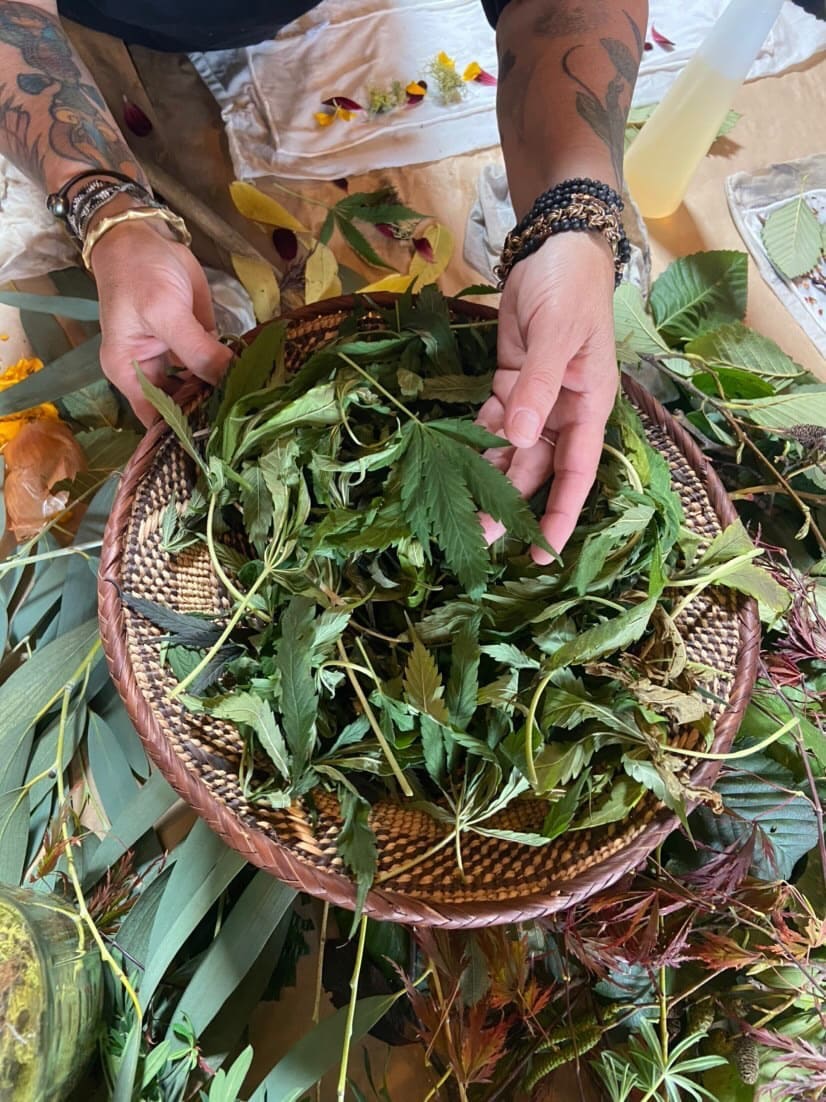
pixel 200 756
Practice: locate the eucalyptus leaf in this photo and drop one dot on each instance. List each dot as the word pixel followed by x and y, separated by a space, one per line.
pixel 68 373
pixel 81 309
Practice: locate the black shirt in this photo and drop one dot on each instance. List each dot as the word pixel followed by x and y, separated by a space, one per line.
pixel 187 25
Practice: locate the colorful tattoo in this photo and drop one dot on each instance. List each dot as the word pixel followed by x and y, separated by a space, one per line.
pixel 79 130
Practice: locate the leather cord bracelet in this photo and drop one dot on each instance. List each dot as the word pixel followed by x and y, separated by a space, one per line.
pixel 139 214
pixel 574 205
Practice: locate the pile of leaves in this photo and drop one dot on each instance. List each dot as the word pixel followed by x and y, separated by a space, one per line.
pixel 378 647
pixel 706 973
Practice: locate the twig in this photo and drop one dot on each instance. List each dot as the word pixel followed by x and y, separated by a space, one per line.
pixel 322 943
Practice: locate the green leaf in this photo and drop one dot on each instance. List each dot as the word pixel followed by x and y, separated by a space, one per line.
pixel 183 627
pixel 252 711
pixel 81 309
pixel 634 329
pixel 732 382
pixel 473 389
pixel 463 682
pixel 791 238
pixel 359 244
pixel 242 937
pixel 511 656
pixel 32 689
pixel 613 635
pixel 756 582
pixel 226 1085
pixel 620 800
pixel 70 372
pixel 250 373
pixel 319 1050
pixel 203 870
pixel 174 416
pixel 699 292
pixel 14 836
pixel 150 802
pixel 357 845
pixel 805 405
pixel 298 702
pixel 433 747
pixel 735 345
pixel 106 451
pixel 258 508
pixel 423 684
pixel 108 766
pixel 761 795
pixel 96 406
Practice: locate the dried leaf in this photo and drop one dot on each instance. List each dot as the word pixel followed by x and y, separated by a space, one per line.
pixel 260 283
pixel 254 204
pixel 321 279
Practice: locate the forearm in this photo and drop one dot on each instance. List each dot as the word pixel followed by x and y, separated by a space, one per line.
pixel 566 73
pixel 54 122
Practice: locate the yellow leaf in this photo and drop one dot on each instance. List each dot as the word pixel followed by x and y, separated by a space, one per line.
pixel 472 72
pixel 254 204
pixel 441 242
pixel 261 285
pixel 396 283
pixel 321 275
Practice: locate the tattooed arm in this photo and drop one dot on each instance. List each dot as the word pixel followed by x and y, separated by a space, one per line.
pixel 566 73
pixel 155 302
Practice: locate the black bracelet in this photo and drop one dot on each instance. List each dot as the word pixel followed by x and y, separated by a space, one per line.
pixel 58 202
pixel 577 204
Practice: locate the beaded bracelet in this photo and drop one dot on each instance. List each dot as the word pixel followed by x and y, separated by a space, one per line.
pixel 577 204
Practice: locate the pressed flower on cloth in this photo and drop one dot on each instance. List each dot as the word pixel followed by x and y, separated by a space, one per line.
pixel 14 422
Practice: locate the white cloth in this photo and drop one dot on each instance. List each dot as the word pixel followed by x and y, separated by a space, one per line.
pixel 269 93
pixel 750 199
pixel 32 243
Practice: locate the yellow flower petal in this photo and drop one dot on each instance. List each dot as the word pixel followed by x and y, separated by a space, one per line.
pixel 14 373
pixel 324 118
pixel 415 89
pixel 472 72
pixel 343 113
pixel 443 59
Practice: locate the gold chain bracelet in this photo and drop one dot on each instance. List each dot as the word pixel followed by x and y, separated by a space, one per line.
pixel 105 224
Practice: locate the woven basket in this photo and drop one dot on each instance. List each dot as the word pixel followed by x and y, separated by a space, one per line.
pixel 199 756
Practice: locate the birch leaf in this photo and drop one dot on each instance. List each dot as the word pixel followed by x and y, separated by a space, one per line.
pixel 258 279
pixel 321 279
pixel 791 237
pixel 254 204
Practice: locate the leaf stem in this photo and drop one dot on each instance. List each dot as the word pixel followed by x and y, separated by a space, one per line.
pixel 530 767
pixel 404 784
pixel 736 755
pixel 319 976
pixel 242 606
pixel 434 1091
pixel 351 1012
pixel 299 196
pixel 375 383
pixel 210 538
pixel 630 470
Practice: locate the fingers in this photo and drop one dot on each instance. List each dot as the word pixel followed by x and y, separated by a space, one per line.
pixel 199 351
pixel 119 369
pixel 527 469
pixel 535 388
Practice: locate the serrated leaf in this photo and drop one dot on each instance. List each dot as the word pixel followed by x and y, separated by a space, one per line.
pixel 634 329
pixel 433 747
pixel 172 413
pixel 182 627
pixel 699 292
pixel 357 845
pixel 761 794
pixel 251 711
pixel 792 238
pixel 736 345
pixel 614 634
pixel 298 702
pixel 258 507
pixel 423 685
pixel 805 405
pixel 254 204
pixel 756 582
pixel 510 656
pixel 359 244
pixel 463 682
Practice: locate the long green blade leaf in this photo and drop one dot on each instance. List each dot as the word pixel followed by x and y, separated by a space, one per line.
pixel 61 306
pixel 65 375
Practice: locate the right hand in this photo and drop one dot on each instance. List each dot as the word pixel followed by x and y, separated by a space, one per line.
pixel 156 309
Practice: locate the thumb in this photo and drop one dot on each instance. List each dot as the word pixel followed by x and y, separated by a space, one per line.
pixel 539 380
pixel 199 351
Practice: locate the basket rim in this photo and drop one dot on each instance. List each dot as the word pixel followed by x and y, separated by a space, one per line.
pixel 266 852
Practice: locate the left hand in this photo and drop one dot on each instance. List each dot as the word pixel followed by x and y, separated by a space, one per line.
pixel 557 376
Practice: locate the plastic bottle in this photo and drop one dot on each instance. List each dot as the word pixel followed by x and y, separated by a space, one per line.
pixel 661 161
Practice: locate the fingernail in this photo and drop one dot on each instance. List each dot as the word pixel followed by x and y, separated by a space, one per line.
pixel 525 427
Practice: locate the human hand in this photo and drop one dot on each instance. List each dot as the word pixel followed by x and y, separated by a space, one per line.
pixel 557 377
pixel 156 309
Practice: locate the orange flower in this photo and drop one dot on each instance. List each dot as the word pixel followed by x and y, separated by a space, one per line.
pixel 14 422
